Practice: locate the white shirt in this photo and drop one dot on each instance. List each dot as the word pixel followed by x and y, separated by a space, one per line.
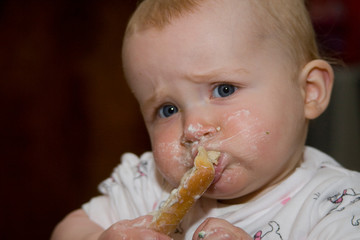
pixel 320 200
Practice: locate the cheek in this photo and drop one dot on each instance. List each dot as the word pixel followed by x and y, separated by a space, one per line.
pixel 245 132
pixel 171 158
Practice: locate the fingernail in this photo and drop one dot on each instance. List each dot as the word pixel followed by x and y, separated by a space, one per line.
pixel 202 234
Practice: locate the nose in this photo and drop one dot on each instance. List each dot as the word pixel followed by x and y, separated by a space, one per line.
pixel 197 128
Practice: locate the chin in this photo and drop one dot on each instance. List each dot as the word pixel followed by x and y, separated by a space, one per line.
pixel 215 192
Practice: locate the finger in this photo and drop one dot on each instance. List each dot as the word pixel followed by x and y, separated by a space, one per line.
pixel 133 229
pixel 142 221
pixel 132 233
pixel 144 234
pixel 201 230
pixel 218 233
pixel 213 228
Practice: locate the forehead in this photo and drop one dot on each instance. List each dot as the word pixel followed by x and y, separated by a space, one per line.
pixel 151 16
pixel 206 30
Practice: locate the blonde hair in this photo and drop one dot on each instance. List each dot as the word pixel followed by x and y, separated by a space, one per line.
pixel 159 13
pixel 289 23
pixel 286 22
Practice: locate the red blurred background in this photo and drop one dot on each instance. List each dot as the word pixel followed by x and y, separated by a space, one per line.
pixel 66 112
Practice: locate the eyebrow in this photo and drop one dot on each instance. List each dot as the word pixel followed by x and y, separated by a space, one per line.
pixel 215 73
pixel 153 99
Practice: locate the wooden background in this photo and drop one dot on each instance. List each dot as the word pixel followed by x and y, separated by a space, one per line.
pixel 66 113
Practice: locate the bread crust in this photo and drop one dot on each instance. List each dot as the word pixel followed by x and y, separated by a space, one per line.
pixel 193 185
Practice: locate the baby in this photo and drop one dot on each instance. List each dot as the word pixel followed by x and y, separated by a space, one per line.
pixel 242 77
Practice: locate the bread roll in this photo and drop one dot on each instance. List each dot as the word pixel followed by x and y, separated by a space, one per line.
pixel 193 185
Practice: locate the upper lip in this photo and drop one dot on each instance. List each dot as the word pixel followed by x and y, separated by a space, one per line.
pixel 194 150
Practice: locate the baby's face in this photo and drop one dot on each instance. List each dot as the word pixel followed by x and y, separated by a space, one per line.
pixel 206 80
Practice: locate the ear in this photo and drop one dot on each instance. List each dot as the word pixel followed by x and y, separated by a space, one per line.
pixel 317 77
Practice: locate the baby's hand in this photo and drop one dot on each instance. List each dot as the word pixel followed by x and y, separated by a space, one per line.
pixel 215 228
pixel 132 229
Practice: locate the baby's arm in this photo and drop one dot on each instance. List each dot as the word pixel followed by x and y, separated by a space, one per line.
pixel 78 226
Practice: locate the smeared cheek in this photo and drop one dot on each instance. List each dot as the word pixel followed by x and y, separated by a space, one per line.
pixel 173 152
pixel 245 133
pixel 171 159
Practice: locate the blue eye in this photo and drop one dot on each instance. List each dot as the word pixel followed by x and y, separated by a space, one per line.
pixel 167 110
pixel 223 90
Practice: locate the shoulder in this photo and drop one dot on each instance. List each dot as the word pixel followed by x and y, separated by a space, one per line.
pixel 336 204
pixel 335 195
pixel 327 204
pixel 130 169
pixel 328 175
pixel 325 166
pixel 132 190
pixel 315 158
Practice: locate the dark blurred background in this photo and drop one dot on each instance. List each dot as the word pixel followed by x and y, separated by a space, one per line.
pixel 67 115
